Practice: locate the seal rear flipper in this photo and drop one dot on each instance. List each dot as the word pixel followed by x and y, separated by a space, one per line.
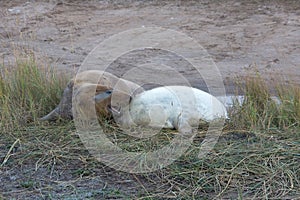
pixel 53 115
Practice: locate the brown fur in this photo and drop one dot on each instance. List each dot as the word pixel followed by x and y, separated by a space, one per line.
pixel 99 81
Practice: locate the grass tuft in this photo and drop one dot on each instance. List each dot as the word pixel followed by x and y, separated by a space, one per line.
pixel 260 111
pixel 28 91
pixel 289 110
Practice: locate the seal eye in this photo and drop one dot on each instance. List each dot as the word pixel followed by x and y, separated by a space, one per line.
pixel 108 92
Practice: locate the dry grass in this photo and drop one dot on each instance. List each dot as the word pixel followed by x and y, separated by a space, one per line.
pixel 27 91
pixel 260 111
pixel 257 157
pixel 51 161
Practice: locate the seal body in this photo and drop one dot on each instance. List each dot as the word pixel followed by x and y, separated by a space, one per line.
pixel 171 107
pixel 87 84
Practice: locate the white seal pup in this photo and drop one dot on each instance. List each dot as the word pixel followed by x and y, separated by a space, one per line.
pixel 176 107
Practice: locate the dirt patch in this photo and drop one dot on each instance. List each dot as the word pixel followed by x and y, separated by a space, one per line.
pixel 239 35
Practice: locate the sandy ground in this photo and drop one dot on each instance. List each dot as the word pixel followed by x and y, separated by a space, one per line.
pixel 238 35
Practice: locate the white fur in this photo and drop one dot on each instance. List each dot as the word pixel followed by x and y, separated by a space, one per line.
pixel 171 107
